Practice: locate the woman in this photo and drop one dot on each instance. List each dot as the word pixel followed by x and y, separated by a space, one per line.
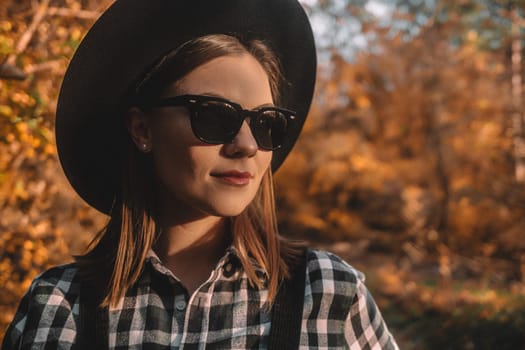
pixel 171 119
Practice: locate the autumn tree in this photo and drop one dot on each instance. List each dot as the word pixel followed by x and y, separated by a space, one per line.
pixel 408 148
pixel 42 221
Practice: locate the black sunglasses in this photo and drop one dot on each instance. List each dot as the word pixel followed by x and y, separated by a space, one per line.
pixel 216 120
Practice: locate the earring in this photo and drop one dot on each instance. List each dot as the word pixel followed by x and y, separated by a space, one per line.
pixel 145 147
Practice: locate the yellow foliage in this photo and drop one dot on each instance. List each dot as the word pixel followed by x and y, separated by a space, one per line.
pixel 49 149
pixel 20 190
pixel 23 130
pixel 6 111
pixel 342 218
pixel 391 279
pixel 488 133
pixel 6 44
pixel 308 221
pixel 464 218
pixel 5 26
pixel 23 99
pixel 363 102
pixel 30 153
pixel 76 34
pixel 361 163
pixel 461 181
pixel 327 177
pixel 62 32
pixel 347 222
pixel 483 103
pixel 28 245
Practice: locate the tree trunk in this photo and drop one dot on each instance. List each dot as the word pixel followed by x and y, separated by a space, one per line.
pixel 517 98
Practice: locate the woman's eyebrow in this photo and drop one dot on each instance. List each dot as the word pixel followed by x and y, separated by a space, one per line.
pixel 213 94
pixel 269 104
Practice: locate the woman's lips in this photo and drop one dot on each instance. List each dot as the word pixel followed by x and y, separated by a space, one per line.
pixel 234 177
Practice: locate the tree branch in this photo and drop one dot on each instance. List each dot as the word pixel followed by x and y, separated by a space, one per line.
pixel 66 12
pixel 28 34
pixel 48 65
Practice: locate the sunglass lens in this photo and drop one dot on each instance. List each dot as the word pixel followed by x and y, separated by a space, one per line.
pixel 270 129
pixel 216 122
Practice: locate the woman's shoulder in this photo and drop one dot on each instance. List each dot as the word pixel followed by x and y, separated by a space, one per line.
pixel 48 304
pixel 60 279
pixel 336 294
pixel 326 265
pixel 56 286
pixel 328 274
pixel 331 286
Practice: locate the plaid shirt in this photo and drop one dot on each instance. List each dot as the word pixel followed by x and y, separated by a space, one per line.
pixel 224 313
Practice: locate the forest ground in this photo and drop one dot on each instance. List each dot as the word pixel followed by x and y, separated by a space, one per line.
pixel 424 312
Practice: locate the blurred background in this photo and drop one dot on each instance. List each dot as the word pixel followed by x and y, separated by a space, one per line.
pixel 411 165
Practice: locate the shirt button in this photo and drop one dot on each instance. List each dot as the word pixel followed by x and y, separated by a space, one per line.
pixel 180 305
pixel 228 270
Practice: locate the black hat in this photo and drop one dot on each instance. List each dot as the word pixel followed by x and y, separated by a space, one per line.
pixel 131 36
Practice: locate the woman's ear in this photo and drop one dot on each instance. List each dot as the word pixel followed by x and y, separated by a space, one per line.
pixel 139 127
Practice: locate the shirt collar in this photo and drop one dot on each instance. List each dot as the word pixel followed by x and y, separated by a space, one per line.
pixel 231 256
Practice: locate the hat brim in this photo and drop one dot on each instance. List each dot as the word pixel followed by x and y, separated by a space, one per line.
pixel 130 36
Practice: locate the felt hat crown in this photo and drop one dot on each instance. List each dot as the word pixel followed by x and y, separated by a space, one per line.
pixel 131 36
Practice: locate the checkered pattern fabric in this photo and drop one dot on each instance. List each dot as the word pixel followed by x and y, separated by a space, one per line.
pixel 224 313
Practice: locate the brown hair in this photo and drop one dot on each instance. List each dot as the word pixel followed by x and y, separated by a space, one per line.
pixel 131 231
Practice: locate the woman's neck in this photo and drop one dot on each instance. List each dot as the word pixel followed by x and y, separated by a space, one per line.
pixel 192 249
pixel 204 234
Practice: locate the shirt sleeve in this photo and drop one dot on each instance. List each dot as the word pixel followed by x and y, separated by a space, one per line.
pixel 44 318
pixel 365 327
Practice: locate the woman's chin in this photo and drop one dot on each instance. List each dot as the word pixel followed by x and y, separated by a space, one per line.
pixel 228 212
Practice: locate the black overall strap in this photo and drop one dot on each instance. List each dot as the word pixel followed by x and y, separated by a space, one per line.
pixel 92 332
pixel 287 311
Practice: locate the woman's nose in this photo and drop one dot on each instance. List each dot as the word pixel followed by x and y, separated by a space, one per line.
pixel 243 145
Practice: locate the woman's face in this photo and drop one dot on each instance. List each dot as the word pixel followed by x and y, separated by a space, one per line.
pixel 202 179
